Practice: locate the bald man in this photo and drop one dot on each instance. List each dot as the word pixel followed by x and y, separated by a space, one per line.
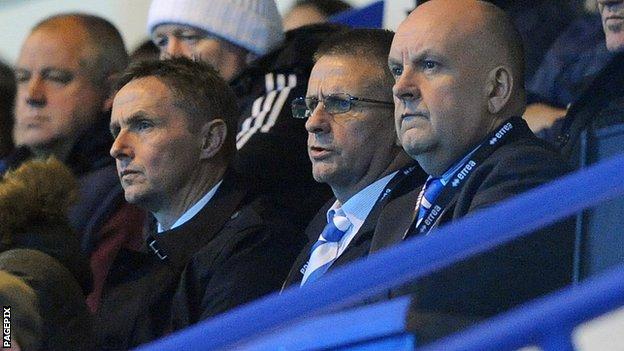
pixel 458 96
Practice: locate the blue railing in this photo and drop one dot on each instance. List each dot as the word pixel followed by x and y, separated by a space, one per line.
pixel 546 322
pixel 370 16
pixel 390 268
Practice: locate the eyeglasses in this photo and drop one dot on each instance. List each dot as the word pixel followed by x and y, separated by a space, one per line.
pixel 333 104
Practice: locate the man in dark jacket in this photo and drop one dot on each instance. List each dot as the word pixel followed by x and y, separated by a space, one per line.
pixel 267 69
pixel 64 74
pixel 352 145
pixel 459 94
pixel 602 103
pixel 212 245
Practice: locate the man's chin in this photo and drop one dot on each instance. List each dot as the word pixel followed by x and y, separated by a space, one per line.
pixel 322 174
pixel 141 199
pixel 133 197
pixel 40 145
pixel 34 143
pixel 616 43
pixel 416 149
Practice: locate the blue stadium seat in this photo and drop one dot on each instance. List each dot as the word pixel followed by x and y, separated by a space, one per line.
pixel 370 16
pixel 600 231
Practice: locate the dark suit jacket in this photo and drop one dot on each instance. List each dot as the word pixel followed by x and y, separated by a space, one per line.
pixel 360 244
pixel 600 105
pixel 492 282
pixel 233 251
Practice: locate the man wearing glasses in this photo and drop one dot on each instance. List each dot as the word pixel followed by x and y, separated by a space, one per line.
pixel 353 148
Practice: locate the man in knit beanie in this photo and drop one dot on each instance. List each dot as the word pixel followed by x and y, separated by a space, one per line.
pixel 225 33
pixel 267 68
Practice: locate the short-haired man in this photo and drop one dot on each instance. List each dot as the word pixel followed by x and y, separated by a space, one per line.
pixel 602 103
pixel 211 240
pixel 64 74
pixel 353 148
pixel 458 96
pixel 267 69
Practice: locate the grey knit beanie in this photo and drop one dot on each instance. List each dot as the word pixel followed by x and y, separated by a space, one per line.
pixel 255 25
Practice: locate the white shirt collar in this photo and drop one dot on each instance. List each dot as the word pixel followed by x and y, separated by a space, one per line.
pixel 358 207
pixel 191 212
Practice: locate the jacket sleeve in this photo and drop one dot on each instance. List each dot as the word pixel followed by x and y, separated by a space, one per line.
pixel 269 139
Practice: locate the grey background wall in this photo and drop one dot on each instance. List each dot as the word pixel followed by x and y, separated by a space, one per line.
pixel 18 16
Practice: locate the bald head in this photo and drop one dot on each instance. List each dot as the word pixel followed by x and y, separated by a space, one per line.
pixel 458 75
pixel 479 29
pixel 103 50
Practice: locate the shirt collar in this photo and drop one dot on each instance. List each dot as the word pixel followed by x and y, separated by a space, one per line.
pixel 191 212
pixel 357 208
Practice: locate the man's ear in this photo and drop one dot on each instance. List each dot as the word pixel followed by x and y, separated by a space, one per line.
pixel 213 135
pixel 499 86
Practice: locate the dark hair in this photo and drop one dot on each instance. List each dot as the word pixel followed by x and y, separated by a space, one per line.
pixel 326 7
pixel 146 50
pixel 373 45
pixel 110 56
pixel 198 90
pixel 7 96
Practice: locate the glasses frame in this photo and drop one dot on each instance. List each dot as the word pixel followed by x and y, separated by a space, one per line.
pixel 298 104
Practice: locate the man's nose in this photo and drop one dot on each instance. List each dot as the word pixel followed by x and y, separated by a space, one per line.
pixel 174 48
pixel 35 95
pixel 318 121
pixel 405 88
pixel 121 147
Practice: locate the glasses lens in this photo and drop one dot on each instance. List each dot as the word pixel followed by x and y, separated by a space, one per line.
pixel 311 103
pixel 299 108
pixel 337 104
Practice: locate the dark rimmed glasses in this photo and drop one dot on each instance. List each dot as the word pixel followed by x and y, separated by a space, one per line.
pixel 302 107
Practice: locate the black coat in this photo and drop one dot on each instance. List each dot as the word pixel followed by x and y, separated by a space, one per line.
pixel 506 276
pixel 360 244
pixel 600 105
pixel 234 250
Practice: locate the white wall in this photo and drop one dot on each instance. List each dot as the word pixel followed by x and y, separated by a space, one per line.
pixel 18 16
pixel 130 16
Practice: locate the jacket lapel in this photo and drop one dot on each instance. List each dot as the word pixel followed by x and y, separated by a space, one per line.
pixel 181 243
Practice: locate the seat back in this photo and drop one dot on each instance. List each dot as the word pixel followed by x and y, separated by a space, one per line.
pixel 600 230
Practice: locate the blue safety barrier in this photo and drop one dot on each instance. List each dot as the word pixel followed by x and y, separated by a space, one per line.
pixel 545 322
pixel 390 268
pixel 599 230
pixel 358 327
pixel 370 16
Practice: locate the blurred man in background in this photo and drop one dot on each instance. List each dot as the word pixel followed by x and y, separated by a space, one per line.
pixel 602 103
pixel 64 74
